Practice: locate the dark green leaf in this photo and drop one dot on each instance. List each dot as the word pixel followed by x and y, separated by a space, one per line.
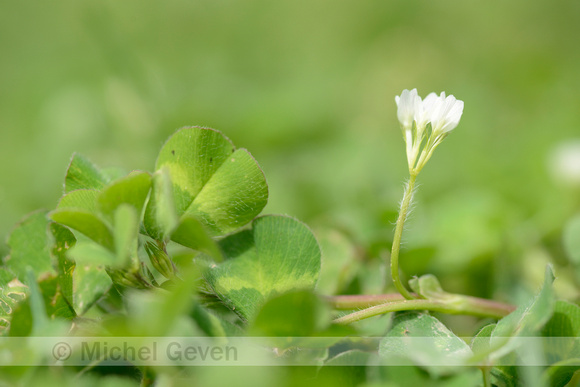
pixel 506 376
pixel 234 195
pixel 276 255
pixel 192 156
pixel 561 373
pixel 564 329
pixel 225 188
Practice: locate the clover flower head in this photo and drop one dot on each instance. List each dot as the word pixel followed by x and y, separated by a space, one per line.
pixel 425 123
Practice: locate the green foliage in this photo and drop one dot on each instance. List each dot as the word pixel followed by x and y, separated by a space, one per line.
pixel 29 247
pixel 565 322
pixel 82 174
pixel 431 343
pixel 276 255
pixel 86 222
pixel 291 314
pixel 342 264
pixel 160 217
pixel 170 307
pixel 182 252
pixel 480 344
pixel 528 319
pixel 562 373
pixel 428 286
pixel 312 100
pixel 131 190
pixel 12 293
pixel 63 240
pixel 89 285
pixel 191 233
pixel 212 325
pixel 221 186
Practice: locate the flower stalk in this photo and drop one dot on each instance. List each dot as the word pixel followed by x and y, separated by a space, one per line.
pixel 398 235
pixel 425 124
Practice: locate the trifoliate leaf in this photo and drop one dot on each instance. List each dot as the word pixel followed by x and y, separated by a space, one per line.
pixel 276 255
pixel 211 180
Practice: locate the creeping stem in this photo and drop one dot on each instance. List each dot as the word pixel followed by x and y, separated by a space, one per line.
pixel 397 238
pixel 381 304
pixel 361 301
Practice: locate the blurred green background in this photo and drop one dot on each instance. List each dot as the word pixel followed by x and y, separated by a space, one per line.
pixel 308 87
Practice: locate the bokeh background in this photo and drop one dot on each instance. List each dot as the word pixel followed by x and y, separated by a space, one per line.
pixel 308 87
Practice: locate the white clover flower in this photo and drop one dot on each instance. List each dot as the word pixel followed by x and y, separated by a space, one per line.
pixel 425 123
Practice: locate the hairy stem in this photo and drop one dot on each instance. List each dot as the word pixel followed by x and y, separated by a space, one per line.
pixel 397 238
pixel 459 304
pixel 486 373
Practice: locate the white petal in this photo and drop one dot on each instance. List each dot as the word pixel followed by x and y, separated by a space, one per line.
pixel 453 115
pixel 447 114
pixel 424 113
pixel 437 114
pixel 406 105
